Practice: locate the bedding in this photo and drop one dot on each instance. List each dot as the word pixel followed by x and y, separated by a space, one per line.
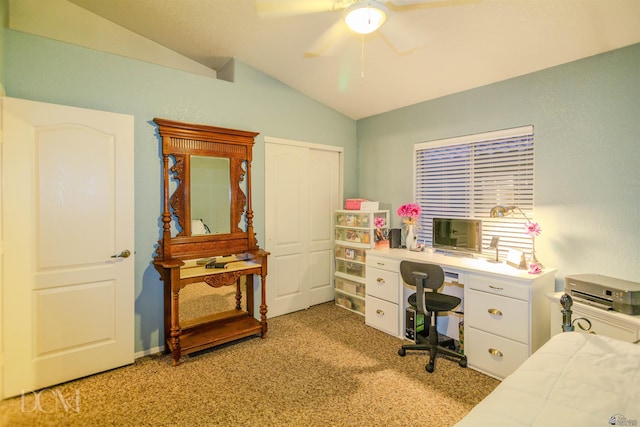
pixel 575 379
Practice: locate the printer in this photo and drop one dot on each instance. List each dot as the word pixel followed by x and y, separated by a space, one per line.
pixel 604 292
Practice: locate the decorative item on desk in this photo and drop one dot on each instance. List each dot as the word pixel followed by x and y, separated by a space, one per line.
pixel 516 259
pixel 533 229
pixel 409 214
pixel 381 235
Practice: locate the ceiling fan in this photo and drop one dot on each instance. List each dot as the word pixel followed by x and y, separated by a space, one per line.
pixel 359 16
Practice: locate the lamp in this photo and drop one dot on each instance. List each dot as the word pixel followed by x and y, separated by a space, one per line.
pixel 365 16
pixel 502 211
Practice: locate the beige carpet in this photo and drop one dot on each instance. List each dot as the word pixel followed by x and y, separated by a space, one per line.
pixel 317 367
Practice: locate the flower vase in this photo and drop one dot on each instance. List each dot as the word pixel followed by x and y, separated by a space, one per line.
pixel 534 259
pixel 410 238
pixel 534 265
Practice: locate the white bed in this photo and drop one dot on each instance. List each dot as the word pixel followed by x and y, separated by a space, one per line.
pixel 575 379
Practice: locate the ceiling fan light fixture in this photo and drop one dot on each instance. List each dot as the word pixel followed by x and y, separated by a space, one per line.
pixel 365 17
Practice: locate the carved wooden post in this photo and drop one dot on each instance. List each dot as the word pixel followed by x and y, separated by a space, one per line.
pixel 175 315
pixel 263 282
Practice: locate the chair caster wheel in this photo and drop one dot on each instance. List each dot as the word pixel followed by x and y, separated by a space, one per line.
pixel 402 352
pixel 430 368
pixel 463 363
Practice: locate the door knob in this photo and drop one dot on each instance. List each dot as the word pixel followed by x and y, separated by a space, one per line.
pixel 123 254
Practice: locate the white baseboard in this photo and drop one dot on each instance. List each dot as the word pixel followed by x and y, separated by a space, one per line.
pixel 148 352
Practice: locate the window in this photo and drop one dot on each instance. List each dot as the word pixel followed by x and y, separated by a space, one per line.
pixel 464 177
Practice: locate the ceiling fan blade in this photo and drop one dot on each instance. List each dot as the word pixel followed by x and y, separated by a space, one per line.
pixel 284 8
pixel 323 44
pixel 397 36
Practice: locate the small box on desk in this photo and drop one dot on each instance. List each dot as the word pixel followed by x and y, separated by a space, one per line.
pixel 368 205
pixel 361 205
pixel 353 204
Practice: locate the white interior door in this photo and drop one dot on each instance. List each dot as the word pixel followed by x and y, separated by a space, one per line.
pixel 302 189
pixel 67 210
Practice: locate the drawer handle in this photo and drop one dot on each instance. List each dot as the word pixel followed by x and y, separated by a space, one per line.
pixel 497 288
pixel 380 312
pixel 495 352
pixel 495 312
pixel 381 263
pixel 380 281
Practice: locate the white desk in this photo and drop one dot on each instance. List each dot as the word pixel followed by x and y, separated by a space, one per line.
pixel 506 314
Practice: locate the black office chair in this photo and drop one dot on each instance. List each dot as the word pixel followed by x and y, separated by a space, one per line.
pixel 429 303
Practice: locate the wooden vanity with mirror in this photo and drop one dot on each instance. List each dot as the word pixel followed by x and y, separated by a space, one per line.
pixel 207 234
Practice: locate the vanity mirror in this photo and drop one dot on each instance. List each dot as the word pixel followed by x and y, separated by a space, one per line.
pixel 207 232
pixel 210 196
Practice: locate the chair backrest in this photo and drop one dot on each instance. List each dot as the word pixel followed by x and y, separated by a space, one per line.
pixel 435 273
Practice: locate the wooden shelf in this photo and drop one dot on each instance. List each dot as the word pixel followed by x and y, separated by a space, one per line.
pixel 216 329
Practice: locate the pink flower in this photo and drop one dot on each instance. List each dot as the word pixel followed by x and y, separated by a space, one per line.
pixel 378 222
pixel 533 229
pixel 410 210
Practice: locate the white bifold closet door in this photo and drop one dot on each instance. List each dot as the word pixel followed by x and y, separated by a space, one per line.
pixel 303 186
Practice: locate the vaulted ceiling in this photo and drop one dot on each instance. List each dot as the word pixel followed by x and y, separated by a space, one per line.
pixel 459 44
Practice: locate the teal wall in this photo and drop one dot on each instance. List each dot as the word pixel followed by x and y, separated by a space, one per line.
pixel 586 118
pixel 44 70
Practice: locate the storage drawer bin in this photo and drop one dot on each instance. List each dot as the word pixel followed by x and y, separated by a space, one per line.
pixel 350 287
pixel 350 235
pixel 353 220
pixel 351 254
pixel 350 302
pixel 351 268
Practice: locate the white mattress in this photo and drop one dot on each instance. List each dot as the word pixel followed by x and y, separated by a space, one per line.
pixel 575 379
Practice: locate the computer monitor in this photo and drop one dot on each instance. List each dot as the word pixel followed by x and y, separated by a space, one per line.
pixel 458 234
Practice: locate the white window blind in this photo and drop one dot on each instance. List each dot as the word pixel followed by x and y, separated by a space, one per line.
pixel 464 177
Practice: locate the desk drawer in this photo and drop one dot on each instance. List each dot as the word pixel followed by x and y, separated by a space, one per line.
pixel 493 285
pixel 382 315
pixel 382 284
pixel 507 317
pixel 383 263
pixel 491 354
